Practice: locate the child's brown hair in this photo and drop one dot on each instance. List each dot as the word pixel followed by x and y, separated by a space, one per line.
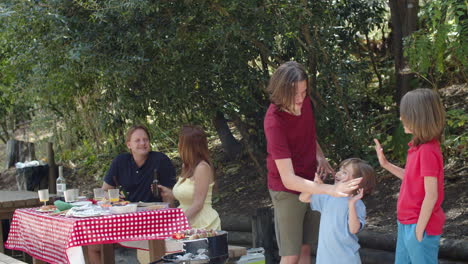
pixel 362 169
pixel 422 112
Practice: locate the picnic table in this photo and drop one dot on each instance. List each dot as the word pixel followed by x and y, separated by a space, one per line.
pixel 12 200
pixel 58 239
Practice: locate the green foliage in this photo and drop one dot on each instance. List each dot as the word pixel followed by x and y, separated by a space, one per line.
pixel 437 52
pixel 85 156
pixel 96 67
pixel 90 69
pixel 456 134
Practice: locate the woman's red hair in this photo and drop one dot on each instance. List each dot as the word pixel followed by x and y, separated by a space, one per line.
pixel 193 149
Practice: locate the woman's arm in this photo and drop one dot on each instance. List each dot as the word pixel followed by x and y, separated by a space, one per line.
pixel 395 170
pixel 299 184
pixel 167 195
pixel 203 177
pixel 430 199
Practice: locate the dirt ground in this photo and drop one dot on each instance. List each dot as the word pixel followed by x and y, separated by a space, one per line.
pixel 247 192
pixel 242 191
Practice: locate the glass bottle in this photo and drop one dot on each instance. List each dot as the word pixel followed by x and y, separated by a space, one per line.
pixel 155 185
pixel 61 183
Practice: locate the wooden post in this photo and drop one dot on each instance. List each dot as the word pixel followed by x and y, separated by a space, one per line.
pixel 262 232
pixel 31 151
pixel 52 168
pixel 157 249
pixel 11 153
pixel 107 254
pixel 2 249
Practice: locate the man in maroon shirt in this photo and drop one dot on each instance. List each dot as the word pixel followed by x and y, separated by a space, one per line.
pixel 294 156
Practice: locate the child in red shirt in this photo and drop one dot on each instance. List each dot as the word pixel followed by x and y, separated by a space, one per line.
pixel 419 212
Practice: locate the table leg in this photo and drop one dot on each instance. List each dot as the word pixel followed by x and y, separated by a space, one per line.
pixel 157 249
pixel 107 254
pixel 2 249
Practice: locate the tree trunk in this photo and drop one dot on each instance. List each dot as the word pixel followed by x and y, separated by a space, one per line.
pixel 19 151
pixel 52 168
pixel 404 15
pixel 251 144
pixel 231 146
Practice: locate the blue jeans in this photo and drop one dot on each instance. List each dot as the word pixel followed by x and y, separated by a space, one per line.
pixel 410 251
pixel 126 255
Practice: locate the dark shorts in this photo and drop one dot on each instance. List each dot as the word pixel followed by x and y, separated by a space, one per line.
pixel 295 223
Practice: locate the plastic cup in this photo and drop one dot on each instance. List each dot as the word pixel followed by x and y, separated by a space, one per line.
pixel 76 194
pixel 69 195
pixel 113 195
pixel 98 194
pixel 43 195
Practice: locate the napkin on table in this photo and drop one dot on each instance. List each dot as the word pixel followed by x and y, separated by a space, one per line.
pixel 62 206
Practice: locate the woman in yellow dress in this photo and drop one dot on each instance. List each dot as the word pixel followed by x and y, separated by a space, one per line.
pixel 194 186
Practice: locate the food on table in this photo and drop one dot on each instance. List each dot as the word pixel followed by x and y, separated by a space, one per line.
pixel 121 203
pixel 48 208
pixel 194 233
pixel 178 235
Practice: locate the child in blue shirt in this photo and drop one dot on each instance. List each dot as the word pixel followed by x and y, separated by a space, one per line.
pixel 342 217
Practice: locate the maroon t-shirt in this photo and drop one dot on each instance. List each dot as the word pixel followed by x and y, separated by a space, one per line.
pixel 290 136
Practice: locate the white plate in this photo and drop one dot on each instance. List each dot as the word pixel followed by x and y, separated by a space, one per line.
pixel 81 203
pixel 85 215
pixel 143 204
pixel 45 211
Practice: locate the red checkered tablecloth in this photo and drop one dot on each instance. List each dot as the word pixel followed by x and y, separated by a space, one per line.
pixel 48 237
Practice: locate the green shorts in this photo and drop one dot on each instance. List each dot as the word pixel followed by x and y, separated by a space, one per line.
pixel 295 223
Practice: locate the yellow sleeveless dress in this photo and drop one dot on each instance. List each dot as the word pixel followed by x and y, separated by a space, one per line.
pixel 207 218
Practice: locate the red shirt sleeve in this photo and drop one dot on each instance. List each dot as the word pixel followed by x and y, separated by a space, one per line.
pixel 277 142
pixel 429 162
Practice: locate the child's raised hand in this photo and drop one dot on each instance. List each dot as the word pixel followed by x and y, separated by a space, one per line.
pixel 317 179
pixel 380 154
pixel 358 196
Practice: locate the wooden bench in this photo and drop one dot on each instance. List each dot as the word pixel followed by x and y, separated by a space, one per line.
pixel 4 259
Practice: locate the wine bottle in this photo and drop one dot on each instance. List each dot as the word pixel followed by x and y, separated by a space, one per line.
pixel 61 183
pixel 155 185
